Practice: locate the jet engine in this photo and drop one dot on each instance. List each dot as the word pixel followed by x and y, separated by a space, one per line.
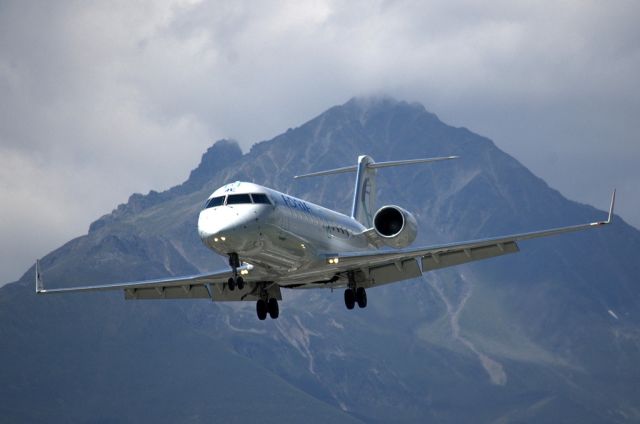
pixel 395 226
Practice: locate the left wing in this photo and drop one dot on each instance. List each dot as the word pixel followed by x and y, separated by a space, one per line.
pixel 375 268
pixel 200 286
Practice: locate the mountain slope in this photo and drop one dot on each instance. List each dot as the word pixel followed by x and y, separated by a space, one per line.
pixel 549 334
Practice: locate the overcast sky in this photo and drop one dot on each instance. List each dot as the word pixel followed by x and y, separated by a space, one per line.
pixel 102 99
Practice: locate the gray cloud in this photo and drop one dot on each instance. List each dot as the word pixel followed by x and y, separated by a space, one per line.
pixel 101 100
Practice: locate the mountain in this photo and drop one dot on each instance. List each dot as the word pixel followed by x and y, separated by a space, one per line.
pixel 551 334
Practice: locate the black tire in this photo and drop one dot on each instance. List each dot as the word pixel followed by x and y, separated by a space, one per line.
pixel 274 310
pixel 361 297
pixel 261 309
pixel 231 283
pixel 240 283
pixel 349 298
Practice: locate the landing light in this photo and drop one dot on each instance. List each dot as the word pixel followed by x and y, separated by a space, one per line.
pixel 244 272
pixel 333 261
pixel 215 239
pixel 223 238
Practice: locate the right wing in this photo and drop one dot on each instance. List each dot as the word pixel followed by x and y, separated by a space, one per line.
pixel 200 286
pixel 382 267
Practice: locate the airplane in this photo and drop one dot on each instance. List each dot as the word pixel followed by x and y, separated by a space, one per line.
pixel 276 241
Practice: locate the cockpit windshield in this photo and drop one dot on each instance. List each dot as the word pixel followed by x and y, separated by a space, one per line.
pixel 215 201
pixel 260 198
pixel 238 199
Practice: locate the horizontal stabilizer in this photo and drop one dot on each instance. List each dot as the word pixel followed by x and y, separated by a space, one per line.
pixel 329 172
pixel 409 162
pixel 375 165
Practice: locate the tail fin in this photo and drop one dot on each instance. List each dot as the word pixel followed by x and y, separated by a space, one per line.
pixel 365 190
pixel 364 196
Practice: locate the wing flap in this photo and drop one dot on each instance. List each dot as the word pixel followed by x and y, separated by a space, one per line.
pixel 456 257
pixel 397 271
pixel 171 292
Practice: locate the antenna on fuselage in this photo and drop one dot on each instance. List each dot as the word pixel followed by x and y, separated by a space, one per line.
pixel 365 189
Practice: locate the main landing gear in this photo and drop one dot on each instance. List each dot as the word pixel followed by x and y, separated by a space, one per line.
pixel 270 306
pixel 266 305
pixel 236 280
pixel 353 294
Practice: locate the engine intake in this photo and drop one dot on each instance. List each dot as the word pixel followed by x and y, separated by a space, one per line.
pixel 395 226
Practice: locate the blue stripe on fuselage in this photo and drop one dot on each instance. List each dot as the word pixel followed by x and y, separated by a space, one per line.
pixel 293 203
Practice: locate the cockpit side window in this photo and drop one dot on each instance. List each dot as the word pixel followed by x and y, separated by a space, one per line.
pixel 236 199
pixel 215 201
pixel 260 198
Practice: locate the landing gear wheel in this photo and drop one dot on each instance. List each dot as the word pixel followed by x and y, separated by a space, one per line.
pixel 274 311
pixel 240 283
pixel 231 283
pixel 349 298
pixel 261 309
pixel 361 297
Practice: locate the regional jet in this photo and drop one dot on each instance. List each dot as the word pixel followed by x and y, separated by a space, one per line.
pixel 275 241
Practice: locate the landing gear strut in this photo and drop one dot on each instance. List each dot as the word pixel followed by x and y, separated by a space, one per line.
pixel 236 280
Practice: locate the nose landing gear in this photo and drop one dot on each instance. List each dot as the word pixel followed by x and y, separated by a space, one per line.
pixel 236 280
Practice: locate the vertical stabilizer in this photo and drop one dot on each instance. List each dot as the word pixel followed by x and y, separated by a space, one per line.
pixel 365 192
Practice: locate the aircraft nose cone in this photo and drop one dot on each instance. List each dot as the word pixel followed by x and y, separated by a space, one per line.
pixel 212 224
pixel 230 228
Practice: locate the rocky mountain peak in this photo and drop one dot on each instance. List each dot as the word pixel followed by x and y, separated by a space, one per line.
pixel 366 108
pixel 221 154
pixel 218 156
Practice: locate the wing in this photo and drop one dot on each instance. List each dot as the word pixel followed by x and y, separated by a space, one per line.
pixel 200 286
pixel 376 268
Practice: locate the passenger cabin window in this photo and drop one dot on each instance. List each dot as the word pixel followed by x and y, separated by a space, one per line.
pixel 260 198
pixel 215 201
pixel 236 199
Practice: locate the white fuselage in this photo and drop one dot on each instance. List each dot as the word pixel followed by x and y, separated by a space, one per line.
pixel 283 235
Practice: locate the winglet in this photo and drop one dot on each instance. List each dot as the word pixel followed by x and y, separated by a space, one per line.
pixel 613 203
pixel 39 284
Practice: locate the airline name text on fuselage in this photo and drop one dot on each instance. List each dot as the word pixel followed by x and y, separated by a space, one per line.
pixel 295 204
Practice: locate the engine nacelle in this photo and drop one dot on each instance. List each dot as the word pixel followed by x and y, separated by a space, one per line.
pixel 395 226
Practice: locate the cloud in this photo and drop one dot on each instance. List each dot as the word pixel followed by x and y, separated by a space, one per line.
pixel 99 100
